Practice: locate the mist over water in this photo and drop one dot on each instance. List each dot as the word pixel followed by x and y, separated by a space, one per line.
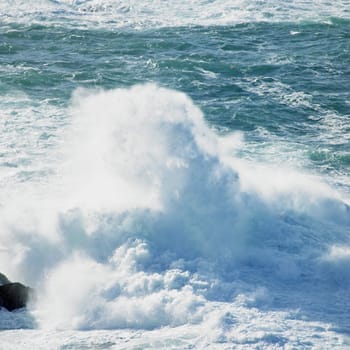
pixel 144 223
pixel 165 185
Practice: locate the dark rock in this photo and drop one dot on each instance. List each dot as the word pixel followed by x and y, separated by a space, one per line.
pixel 14 295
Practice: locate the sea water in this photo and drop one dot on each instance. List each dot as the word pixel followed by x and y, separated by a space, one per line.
pixel 175 174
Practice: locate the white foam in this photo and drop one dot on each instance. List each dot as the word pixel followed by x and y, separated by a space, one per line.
pixel 226 325
pixel 151 221
pixel 155 13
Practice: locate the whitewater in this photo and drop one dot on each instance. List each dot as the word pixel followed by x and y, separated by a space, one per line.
pixel 175 175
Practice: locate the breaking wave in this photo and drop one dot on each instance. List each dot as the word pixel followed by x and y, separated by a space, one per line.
pixel 152 217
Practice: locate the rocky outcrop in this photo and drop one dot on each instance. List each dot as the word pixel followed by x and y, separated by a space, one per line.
pixel 13 295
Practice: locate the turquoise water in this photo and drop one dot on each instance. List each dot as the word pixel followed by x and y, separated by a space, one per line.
pixel 176 175
pixel 283 84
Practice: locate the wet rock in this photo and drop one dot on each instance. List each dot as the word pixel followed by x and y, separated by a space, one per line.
pixel 13 295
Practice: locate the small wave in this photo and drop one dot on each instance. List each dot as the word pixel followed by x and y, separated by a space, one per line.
pixel 152 13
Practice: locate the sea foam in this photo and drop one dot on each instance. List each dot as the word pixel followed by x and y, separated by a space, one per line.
pixel 155 13
pixel 152 219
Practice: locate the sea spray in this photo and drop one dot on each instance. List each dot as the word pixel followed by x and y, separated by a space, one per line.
pixel 135 232
pixel 153 219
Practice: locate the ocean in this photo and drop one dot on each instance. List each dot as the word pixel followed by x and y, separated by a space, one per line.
pixel 175 174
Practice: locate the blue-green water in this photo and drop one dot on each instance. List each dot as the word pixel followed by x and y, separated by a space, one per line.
pixel 282 84
pixel 186 165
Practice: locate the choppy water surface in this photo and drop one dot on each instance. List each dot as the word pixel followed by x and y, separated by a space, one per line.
pixel 176 175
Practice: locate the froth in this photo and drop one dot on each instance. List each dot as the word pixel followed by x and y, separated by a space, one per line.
pixel 152 217
pixel 151 13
